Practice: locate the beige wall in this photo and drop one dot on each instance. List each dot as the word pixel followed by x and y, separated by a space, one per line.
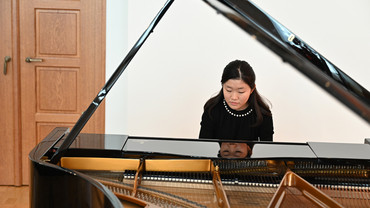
pixel 163 90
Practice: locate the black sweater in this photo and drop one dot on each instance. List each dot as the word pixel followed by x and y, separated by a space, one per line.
pixel 220 124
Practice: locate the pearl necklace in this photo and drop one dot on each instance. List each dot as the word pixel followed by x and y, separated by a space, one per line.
pixel 236 115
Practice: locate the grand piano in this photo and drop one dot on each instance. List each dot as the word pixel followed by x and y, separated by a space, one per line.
pixel 73 169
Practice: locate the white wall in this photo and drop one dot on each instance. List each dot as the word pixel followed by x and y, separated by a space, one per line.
pixel 164 88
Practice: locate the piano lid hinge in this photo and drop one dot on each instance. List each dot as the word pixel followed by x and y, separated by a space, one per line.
pixel 45 159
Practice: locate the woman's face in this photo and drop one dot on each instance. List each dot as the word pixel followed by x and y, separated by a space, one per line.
pixel 234 150
pixel 236 93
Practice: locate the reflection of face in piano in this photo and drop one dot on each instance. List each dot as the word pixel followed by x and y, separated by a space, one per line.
pixel 235 150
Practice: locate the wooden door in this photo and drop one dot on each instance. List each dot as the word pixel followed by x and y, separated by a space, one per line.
pixel 61 67
pixel 9 135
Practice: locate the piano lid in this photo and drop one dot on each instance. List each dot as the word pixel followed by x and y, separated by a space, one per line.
pixel 274 36
pixel 295 51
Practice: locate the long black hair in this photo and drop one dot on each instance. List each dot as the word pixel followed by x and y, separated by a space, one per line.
pixel 243 71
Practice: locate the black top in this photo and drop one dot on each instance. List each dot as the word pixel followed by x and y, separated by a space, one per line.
pixel 224 123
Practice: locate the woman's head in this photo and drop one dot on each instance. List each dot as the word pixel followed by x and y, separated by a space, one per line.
pixel 238 76
pixel 238 83
pixel 239 70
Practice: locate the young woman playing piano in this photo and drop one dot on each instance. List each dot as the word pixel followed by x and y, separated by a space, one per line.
pixel 238 111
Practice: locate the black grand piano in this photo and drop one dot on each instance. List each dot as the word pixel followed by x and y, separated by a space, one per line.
pixel 73 169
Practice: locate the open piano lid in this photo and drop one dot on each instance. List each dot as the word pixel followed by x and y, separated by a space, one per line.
pixel 274 36
pixel 295 51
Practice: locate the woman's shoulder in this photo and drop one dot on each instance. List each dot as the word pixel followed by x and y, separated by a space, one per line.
pixel 267 119
pixel 213 110
pixel 217 106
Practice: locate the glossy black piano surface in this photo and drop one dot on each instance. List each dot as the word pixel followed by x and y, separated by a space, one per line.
pixel 348 164
pixel 208 148
pixel 69 169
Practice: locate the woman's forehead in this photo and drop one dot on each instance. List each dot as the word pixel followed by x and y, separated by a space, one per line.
pixel 236 83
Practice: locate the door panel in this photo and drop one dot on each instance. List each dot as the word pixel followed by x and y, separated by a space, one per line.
pixel 64 44
pixel 58 94
pixel 65 32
